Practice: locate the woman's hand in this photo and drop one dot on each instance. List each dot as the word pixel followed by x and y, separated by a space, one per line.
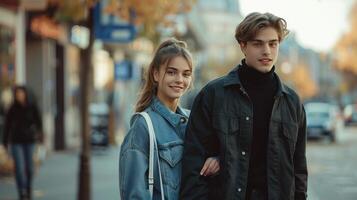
pixel 211 167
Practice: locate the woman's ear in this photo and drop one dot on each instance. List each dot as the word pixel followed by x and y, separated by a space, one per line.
pixel 156 75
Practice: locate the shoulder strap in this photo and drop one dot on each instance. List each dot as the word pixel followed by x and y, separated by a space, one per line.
pixel 153 144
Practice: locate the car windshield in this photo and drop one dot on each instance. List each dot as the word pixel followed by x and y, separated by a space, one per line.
pixel 318 115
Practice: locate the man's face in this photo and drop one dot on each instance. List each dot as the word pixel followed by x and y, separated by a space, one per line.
pixel 261 53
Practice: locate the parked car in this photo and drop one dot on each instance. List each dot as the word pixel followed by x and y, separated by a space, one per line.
pixel 321 119
pixel 99 121
pixel 350 114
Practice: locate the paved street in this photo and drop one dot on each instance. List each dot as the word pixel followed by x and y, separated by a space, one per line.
pixel 332 167
pixel 57 177
pixel 332 173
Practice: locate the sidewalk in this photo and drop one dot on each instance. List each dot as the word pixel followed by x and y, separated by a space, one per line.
pixel 57 178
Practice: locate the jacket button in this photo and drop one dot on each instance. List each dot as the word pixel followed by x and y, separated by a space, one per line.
pixel 183 120
pixel 247 118
pixel 239 189
pixel 243 153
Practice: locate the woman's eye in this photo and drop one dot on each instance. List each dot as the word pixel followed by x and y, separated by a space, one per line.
pixel 171 72
pixel 187 75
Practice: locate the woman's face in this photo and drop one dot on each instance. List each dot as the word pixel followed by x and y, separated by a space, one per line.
pixel 173 80
pixel 20 96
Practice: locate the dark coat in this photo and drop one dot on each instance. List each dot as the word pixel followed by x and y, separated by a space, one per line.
pixel 22 125
pixel 221 124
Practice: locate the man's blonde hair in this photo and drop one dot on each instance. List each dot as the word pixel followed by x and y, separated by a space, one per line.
pixel 254 22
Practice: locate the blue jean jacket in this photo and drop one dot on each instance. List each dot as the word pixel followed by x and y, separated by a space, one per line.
pixel 169 129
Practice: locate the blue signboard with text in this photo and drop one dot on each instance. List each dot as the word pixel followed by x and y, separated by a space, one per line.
pixel 123 70
pixel 110 28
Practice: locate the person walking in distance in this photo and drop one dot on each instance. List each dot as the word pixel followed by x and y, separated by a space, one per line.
pixel 23 128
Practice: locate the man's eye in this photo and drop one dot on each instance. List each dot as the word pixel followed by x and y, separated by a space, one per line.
pixel 274 44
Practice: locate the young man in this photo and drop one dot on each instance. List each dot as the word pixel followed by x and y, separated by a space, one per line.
pixel 255 125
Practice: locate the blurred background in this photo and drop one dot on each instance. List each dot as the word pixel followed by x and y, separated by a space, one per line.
pixel 84 61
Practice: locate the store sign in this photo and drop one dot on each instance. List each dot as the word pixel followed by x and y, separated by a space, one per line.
pixel 110 28
pixel 46 27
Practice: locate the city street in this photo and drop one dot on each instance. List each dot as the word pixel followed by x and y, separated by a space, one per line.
pixel 74 73
pixel 332 172
pixel 58 175
pixel 332 167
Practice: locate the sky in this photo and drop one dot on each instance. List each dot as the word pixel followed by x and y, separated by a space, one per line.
pixel 318 24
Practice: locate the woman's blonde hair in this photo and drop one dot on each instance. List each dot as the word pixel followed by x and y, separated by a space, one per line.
pixel 166 51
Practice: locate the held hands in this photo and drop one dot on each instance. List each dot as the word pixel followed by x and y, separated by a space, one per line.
pixel 211 167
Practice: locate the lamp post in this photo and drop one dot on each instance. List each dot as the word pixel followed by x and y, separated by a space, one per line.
pixel 84 190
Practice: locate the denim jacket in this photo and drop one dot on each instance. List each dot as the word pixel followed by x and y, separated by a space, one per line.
pixel 169 129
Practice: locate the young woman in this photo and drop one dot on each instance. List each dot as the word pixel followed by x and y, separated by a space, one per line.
pixel 168 78
pixel 22 130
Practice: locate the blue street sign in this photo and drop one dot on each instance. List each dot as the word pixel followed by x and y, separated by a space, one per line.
pixel 123 70
pixel 110 28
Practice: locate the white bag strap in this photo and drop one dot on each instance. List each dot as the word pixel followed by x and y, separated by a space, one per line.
pixel 153 144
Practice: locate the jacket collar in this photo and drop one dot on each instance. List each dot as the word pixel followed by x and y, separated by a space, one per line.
pixel 232 78
pixel 171 117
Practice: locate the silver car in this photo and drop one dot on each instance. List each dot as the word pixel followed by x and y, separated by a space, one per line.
pixel 321 119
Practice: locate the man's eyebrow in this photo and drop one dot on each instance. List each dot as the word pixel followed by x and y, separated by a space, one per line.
pixel 257 40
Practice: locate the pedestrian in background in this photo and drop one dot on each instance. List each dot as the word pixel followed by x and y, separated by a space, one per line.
pixel 169 77
pixel 23 128
pixel 252 121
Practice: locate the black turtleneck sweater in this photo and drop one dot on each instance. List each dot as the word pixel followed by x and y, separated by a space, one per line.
pixel 261 89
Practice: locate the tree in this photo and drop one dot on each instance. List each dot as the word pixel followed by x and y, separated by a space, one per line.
pixel 300 78
pixel 150 14
pixel 346 51
pixel 303 82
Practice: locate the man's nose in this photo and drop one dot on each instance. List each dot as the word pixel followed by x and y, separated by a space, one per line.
pixel 266 49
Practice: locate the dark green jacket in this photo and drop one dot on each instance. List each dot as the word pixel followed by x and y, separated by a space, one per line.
pixel 221 123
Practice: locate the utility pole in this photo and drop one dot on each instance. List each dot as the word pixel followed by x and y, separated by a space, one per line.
pixel 86 68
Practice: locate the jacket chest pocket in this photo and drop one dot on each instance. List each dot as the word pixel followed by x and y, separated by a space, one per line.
pixel 227 129
pixel 228 125
pixel 289 134
pixel 170 163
